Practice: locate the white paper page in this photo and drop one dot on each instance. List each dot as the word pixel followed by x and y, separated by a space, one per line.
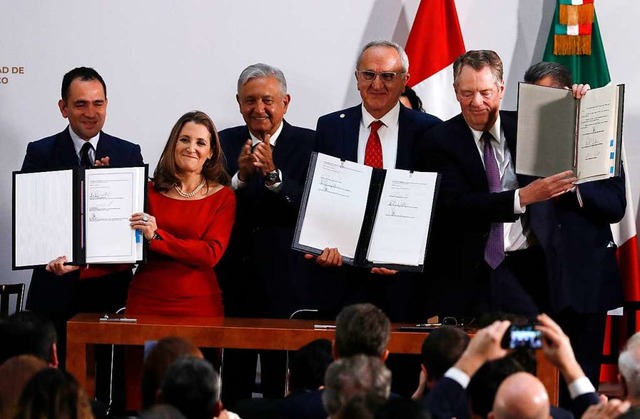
pixel 112 195
pixel 402 222
pixel 43 217
pixel 336 205
pixel 596 132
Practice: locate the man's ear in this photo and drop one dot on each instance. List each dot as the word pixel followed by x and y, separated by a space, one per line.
pixel 63 108
pixel 54 355
pixel 384 355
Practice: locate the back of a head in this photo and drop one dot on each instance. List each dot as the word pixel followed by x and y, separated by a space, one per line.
pixel 158 360
pixel 308 365
pixel 441 349
pixel 556 73
pixel 485 382
pixel 362 329
pixel 53 393
pixel 162 411
pixel 357 375
pixel 521 396
pixel 15 373
pixel 193 387
pixel 629 367
pixel 361 406
pixel 402 408
pixel 27 333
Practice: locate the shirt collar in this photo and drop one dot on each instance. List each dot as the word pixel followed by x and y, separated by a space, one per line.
pixel 79 142
pixel 494 130
pixel 274 137
pixel 389 119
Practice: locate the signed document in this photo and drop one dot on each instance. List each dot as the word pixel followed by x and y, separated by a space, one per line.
pixel 81 214
pixel 557 132
pixel 375 217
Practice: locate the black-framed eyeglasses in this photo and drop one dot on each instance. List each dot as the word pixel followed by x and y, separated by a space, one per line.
pixel 385 76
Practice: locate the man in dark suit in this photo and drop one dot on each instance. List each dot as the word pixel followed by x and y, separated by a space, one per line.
pixel 489 258
pixel 260 275
pixel 381 75
pixel 60 291
pixel 579 247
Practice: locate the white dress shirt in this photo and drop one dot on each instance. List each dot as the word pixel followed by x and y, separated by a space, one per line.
pixel 388 136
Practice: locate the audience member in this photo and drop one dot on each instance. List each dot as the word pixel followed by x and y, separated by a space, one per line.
pixel 53 394
pixel 402 408
pixel 28 333
pixel 440 351
pixel 484 384
pixel 521 395
pixel 361 329
pixel 164 353
pixel 193 387
pixel 260 274
pixel 357 375
pixel 629 369
pixel 308 365
pixel 361 406
pixel 15 372
pixel 162 411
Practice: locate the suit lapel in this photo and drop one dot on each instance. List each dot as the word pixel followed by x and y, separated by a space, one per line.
pixel 104 147
pixel 351 133
pixel 65 150
pixel 406 134
pixel 469 152
pixel 284 146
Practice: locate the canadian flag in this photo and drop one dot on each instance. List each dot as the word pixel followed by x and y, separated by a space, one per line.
pixel 434 43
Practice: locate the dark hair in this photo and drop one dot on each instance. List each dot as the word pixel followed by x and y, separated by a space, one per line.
pixel 308 365
pixel 158 360
pixel 479 59
pixel 362 329
pixel 484 384
pixel 560 74
pixel 413 98
pixel 27 333
pixel 441 349
pixel 53 393
pixel 402 408
pixel 82 73
pixel 166 173
pixel 192 385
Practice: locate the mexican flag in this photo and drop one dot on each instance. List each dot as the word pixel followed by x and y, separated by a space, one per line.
pixel 434 43
pixel 574 41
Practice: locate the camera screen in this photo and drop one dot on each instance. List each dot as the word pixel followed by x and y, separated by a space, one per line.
pixel 525 337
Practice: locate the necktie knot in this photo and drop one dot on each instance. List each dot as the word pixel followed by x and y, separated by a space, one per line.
pixel 85 158
pixel 375 126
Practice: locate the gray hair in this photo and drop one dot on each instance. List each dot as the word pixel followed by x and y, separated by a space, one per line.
pixel 629 365
pixel 479 59
pixel 404 59
pixel 359 375
pixel 262 70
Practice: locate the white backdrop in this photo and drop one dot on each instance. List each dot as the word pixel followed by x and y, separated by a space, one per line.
pixel 161 58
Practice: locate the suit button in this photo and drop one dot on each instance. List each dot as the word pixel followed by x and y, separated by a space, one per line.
pixel 256 230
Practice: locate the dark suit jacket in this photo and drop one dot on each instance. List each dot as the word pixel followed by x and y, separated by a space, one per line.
pixel 337 135
pixel 259 252
pixel 576 241
pixel 47 292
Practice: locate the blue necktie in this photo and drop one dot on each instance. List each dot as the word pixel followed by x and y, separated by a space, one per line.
pixel 494 250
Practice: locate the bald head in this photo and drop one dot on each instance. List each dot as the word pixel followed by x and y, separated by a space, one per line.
pixel 629 367
pixel 523 396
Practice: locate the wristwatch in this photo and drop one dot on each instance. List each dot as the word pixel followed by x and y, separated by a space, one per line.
pixel 272 177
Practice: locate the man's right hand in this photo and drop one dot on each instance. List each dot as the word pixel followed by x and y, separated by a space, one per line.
pixel 245 162
pixel 557 349
pixel 485 346
pixel 546 188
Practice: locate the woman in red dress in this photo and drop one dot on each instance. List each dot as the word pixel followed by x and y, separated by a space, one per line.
pixel 188 224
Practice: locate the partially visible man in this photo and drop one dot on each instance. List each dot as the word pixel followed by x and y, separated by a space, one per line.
pixel 521 395
pixel 59 290
pixel 379 132
pixel 260 275
pixel 579 247
pixel 28 333
pixel 486 224
pixel 629 368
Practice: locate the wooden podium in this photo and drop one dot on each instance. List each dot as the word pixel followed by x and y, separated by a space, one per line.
pixel 84 331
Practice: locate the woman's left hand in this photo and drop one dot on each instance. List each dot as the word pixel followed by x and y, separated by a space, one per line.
pixel 145 223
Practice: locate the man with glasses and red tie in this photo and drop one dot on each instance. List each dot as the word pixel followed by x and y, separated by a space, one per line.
pixel 382 133
pixel 60 291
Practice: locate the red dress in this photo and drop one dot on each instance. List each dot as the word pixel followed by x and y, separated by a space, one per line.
pixel 178 278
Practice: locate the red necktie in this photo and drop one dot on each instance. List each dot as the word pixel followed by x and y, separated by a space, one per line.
pixel 373 151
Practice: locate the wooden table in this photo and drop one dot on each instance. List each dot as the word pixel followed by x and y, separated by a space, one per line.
pixel 84 331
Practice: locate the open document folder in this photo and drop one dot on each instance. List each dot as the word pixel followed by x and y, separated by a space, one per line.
pixel 375 217
pixel 557 132
pixel 81 214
